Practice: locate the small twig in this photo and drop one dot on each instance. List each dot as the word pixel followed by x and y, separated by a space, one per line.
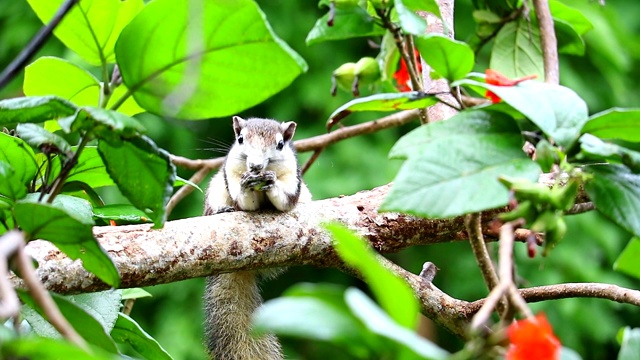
pixel 9 303
pixel 42 298
pixel 35 44
pixel 548 42
pixel 187 189
pixel 476 240
pixel 128 306
pixel 311 160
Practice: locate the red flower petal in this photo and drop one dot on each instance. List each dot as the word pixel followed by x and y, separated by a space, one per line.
pixel 403 80
pixel 532 339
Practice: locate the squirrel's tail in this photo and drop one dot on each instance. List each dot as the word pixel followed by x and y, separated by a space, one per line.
pixel 229 302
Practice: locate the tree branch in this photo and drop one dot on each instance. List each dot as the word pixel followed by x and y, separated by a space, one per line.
pixel 548 42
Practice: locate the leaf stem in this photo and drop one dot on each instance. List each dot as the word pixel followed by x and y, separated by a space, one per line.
pixel 58 183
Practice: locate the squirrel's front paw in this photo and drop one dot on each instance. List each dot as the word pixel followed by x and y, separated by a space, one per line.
pixel 269 180
pixel 257 181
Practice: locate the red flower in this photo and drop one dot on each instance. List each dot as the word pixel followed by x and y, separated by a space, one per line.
pixel 496 78
pixel 532 339
pixel 403 80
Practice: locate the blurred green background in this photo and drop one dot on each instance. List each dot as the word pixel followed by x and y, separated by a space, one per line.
pixel 605 77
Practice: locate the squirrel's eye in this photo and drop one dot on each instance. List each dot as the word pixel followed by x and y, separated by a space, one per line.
pixel 240 139
pixel 280 145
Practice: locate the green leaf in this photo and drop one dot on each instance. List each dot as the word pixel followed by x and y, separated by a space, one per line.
pixel 178 64
pixel 569 354
pixel 615 191
pixel 393 293
pixel 557 110
pixel 348 23
pixel 92 27
pixel 11 187
pixel 516 50
pixel 627 262
pixel 15 152
pixel 615 123
pixel 630 348
pixel 37 137
pixel 34 109
pixel 121 213
pixel 48 349
pixel 569 41
pixel 54 76
pixel 380 323
pixel 592 147
pixel 127 331
pixel 453 166
pixel 385 102
pixel 134 293
pixel 449 58
pixel 410 21
pixel 84 323
pixel 181 182
pixel 486 16
pixel 104 124
pixel 70 232
pixel 143 172
pixel 572 16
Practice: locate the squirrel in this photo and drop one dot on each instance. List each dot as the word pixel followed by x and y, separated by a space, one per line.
pixel 260 172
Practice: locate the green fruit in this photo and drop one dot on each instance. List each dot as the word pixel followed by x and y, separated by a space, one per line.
pixel 367 70
pixel 563 197
pixel 525 210
pixel 553 236
pixel 345 75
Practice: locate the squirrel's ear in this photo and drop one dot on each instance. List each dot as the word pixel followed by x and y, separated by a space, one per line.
pixel 238 124
pixel 288 129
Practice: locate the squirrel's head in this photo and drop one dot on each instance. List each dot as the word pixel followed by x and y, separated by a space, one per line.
pixel 263 143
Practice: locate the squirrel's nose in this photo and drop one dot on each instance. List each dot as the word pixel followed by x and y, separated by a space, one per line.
pixel 256 167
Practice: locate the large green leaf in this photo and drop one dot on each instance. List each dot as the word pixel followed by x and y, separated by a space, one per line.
pixel 34 109
pixel 19 155
pixel 449 58
pixel 615 123
pixel 127 331
pixel 31 347
pixel 516 50
pixel 628 262
pixel 453 166
pixel 88 327
pixel 393 293
pixel 92 27
pixel 380 323
pixel 197 60
pixel 71 231
pixel 348 23
pixel 11 187
pixel 385 102
pixel 570 15
pixel 615 191
pixel 557 110
pixel 143 172
pixel 55 76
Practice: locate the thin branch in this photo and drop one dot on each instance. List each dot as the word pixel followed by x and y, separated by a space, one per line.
pixel 311 160
pixel 35 44
pixel 44 300
pixel 476 240
pixel 548 42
